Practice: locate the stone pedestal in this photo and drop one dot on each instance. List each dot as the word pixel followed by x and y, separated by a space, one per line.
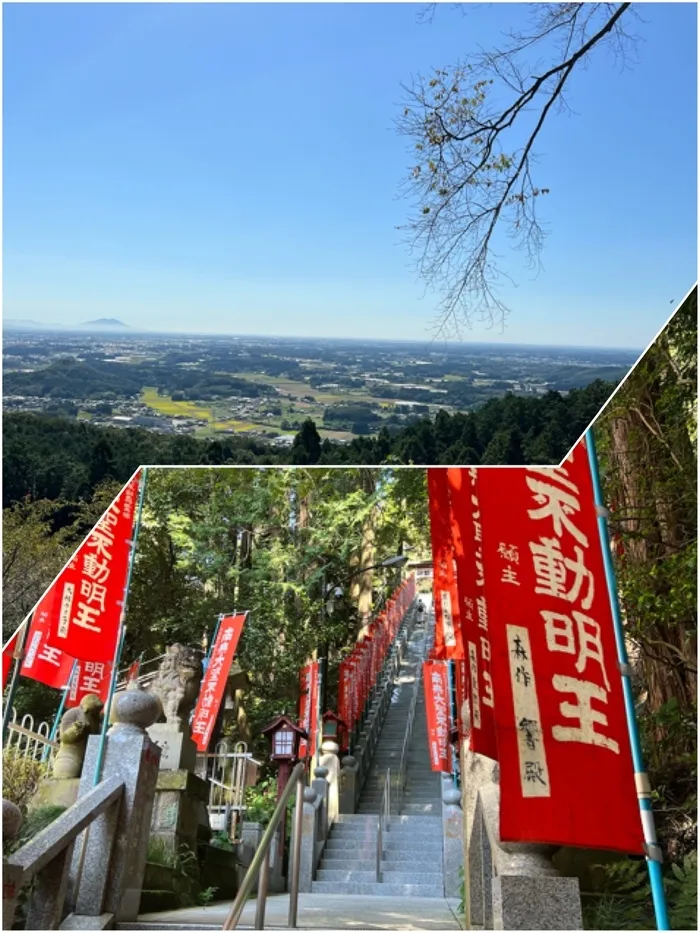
pixel 132 756
pixel 523 902
pixel 55 792
pixel 177 811
pixel 452 839
pixel 178 751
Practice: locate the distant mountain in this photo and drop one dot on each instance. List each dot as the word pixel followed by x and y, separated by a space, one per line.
pixel 110 322
pixel 103 323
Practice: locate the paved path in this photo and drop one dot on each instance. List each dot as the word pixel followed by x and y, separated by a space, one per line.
pixel 325 912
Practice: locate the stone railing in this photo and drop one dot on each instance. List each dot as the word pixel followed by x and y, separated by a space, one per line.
pixel 88 865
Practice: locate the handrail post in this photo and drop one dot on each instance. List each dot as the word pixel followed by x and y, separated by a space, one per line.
pixel 296 857
pixel 263 880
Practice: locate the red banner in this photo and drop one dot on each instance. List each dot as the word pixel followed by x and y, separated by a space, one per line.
pixel 84 621
pixel 308 708
pixel 214 683
pixel 42 661
pixel 437 711
pixel 566 770
pixel 467 537
pixel 8 656
pixel 448 624
pixel 344 700
pixel 89 677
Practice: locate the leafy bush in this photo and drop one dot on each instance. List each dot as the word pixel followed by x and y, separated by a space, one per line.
pixel 682 887
pixel 20 777
pixel 626 900
pixel 221 840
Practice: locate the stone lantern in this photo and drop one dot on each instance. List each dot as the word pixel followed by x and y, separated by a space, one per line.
pixel 284 737
pixel 334 732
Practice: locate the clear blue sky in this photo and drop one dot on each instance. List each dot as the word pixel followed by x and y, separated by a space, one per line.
pixel 234 168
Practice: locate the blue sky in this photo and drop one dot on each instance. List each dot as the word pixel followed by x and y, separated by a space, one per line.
pixel 234 168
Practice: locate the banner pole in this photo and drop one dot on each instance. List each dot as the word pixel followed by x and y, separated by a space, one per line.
pixel 120 639
pixel 18 655
pixel 59 712
pixel 654 855
pixel 213 640
pixel 453 717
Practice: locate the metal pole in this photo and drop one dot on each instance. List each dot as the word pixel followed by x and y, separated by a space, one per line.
pixel 450 688
pixel 120 639
pixel 319 725
pixel 213 640
pixel 18 655
pixel 296 857
pixel 654 855
pixel 59 712
pixel 263 881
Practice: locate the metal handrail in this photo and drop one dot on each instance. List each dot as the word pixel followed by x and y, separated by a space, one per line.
pixel 409 725
pixel 383 821
pixel 260 865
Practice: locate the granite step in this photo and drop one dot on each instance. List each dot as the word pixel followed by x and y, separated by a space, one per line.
pixel 388 877
pixel 374 889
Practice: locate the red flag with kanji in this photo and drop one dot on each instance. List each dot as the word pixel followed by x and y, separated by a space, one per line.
pixel 89 593
pixel 437 711
pixel 8 653
pixel 308 708
pixel 466 524
pixel 566 771
pixel 213 685
pixel 43 661
pixel 89 677
pixel 448 624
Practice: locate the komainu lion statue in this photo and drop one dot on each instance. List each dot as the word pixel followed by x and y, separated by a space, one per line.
pixel 77 725
pixel 177 685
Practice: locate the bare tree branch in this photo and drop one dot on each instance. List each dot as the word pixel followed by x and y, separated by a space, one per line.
pixel 473 129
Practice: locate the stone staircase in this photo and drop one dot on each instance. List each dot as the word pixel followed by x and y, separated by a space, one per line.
pixel 412 856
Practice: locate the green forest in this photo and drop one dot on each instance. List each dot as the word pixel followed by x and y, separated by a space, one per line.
pixel 61 459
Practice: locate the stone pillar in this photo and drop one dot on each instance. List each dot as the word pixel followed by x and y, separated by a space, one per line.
pixel 321 786
pixel 348 785
pixel 11 874
pixel 452 838
pixel 111 882
pixel 307 859
pixel 330 761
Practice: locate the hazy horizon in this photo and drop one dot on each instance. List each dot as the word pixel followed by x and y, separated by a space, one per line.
pixel 138 331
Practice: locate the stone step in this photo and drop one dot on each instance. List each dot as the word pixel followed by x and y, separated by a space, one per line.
pixel 395 861
pixel 381 890
pixel 388 877
pixel 424 826
pixel 392 847
pixel 416 836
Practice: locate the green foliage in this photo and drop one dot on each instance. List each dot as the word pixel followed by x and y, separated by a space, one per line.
pixel 206 896
pixel 647 446
pixel 55 458
pixel 682 887
pixel 625 901
pixel 182 861
pixel 626 904
pixel 462 893
pixel 261 800
pixel 36 821
pixel 221 840
pixel 20 777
